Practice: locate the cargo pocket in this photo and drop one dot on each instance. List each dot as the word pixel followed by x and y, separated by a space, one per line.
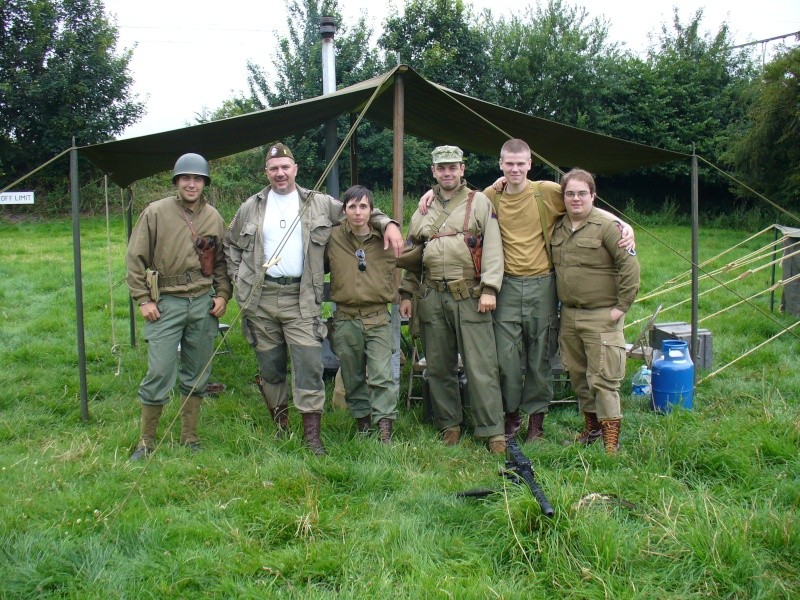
pixel 612 356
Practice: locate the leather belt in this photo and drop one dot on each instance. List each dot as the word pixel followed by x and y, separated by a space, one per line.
pixel 282 280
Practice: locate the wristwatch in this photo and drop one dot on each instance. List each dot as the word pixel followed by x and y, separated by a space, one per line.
pixel 145 302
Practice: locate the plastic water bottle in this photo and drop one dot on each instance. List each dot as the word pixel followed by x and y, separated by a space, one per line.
pixel 640 385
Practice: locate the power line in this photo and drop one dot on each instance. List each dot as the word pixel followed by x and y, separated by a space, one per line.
pixel 772 39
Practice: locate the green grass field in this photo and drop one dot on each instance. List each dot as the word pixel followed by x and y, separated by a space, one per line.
pixel 711 496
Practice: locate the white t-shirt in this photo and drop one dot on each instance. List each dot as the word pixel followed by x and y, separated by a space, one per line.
pixel 279 216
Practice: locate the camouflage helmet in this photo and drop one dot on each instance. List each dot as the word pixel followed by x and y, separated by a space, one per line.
pixel 191 164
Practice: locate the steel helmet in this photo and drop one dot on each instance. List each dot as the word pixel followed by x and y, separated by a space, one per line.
pixel 191 164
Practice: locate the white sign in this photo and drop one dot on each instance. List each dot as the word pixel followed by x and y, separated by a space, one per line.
pixel 16 198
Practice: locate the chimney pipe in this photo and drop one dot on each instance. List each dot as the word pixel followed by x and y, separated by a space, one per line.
pixel 327 31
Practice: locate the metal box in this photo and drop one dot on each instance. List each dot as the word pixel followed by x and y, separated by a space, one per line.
pixel 679 330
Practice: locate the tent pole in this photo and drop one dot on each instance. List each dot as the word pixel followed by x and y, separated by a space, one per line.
pixel 695 258
pixel 353 153
pixel 128 231
pixel 76 257
pixel 397 203
pixel 397 149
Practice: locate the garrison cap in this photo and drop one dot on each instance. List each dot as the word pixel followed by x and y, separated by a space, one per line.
pixel 447 154
pixel 279 150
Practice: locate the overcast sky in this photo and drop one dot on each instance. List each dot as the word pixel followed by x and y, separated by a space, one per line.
pixel 189 55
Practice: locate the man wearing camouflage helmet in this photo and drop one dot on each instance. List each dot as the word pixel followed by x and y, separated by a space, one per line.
pixel 275 253
pixel 456 298
pixel 176 275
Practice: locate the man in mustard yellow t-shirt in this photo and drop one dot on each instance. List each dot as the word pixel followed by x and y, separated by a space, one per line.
pixel 526 317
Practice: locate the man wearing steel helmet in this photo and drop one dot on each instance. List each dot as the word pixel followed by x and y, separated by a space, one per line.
pixel 176 274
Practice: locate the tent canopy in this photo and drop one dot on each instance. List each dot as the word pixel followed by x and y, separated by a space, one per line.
pixel 432 112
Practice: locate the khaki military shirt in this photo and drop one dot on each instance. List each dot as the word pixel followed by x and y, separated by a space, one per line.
pixel 447 258
pixel 244 249
pixel 366 290
pixel 591 270
pixel 162 241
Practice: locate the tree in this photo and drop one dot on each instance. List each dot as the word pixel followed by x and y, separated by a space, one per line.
pixel 441 41
pixel 764 148
pixel 60 76
pixel 298 74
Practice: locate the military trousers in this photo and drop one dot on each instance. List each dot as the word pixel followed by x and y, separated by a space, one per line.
pixel 184 322
pixel 276 332
pixel 449 327
pixel 364 347
pixel 526 334
pixel 593 352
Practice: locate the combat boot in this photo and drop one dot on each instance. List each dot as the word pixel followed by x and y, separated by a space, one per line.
pixel 385 427
pixel 512 423
pixel 363 424
pixel 190 415
pixel 535 429
pixel 611 429
pixel 451 435
pixel 280 416
pixel 497 444
pixel 312 423
pixel 151 413
pixel 592 430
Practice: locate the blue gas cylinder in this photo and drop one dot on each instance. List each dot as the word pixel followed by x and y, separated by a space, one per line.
pixel 673 376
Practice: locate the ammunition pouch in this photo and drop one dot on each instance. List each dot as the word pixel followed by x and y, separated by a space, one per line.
pixel 151 280
pixel 459 289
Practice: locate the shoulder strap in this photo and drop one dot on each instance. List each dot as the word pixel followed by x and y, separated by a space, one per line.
pixel 537 193
pixel 466 213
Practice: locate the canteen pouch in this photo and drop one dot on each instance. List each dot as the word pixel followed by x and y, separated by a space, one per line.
pixel 206 248
pixel 151 280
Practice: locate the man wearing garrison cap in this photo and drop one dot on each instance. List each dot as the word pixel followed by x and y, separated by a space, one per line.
pixel 275 253
pixel 455 297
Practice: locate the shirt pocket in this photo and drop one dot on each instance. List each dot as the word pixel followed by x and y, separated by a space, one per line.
pixel 247 237
pixel 591 252
pixel 557 249
pixel 320 230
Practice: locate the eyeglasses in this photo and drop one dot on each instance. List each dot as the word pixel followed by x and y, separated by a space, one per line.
pixel 583 194
pixel 362 260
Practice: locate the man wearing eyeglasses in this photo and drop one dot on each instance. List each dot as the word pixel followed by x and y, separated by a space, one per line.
pixel 275 250
pixel 362 283
pixel 455 301
pixel 526 319
pixel 597 283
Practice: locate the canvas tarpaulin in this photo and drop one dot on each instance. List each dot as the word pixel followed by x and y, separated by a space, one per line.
pixel 432 112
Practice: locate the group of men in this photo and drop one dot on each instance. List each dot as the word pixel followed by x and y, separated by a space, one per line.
pixel 484 288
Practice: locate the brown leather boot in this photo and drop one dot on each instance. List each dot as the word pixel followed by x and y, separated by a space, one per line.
pixel 513 421
pixel 385 427
pixel 497 444
pixel 280 416
pixel 311 432
pixel 150 415
pixel 451 435
pixel 592 430
pixel 190 415
pixel 611 429
pixel 535 430
pixel 363 424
